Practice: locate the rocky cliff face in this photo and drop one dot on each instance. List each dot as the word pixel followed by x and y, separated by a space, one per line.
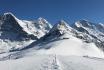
pixel 16 33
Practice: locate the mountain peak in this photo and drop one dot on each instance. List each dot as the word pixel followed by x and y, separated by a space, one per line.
pixel 14 25
pixel 84 23
pixel 101 24
pixel 8 13
pixel 61 27
pixel 62 22
pixel 9 17
pixel 42 20
pixel 44 24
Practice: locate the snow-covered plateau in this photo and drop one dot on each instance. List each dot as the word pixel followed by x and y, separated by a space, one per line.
pixel 37 45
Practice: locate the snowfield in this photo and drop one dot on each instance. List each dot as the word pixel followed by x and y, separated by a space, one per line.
pixel 53 62
pixel 68 54
pixel 71 46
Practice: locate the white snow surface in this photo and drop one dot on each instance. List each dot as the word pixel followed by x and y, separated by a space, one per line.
pixel 66 54
pixel 72 46
pixel 53 62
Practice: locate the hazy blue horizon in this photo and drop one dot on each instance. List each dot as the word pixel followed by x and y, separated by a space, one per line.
pixel 55 10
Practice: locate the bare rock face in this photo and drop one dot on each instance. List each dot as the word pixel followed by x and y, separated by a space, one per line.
pixel 11 26
pixel 16 33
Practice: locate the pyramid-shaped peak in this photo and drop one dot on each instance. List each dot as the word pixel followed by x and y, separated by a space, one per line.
pixel 42 20
pixel 44 23
pixel 62 25
pixel 62 22
pixel 8 13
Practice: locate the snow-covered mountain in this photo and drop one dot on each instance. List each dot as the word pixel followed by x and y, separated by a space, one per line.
pixel 91 32
pixel 16 33
pixel 20 34
pixel 45 47
pixel 62 40
pixel 59 29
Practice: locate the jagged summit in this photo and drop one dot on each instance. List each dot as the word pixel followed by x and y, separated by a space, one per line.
pixel 84 23
pixel 42 20
pixel 44 24
pixel 91 32
pixel 8 13
pixel 12 24
pixel 62 27
pixel 60 30
pixel 9 16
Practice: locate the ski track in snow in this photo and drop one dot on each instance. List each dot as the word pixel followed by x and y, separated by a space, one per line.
pixel 53 62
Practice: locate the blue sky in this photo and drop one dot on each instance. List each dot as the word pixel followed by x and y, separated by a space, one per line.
pixel 55 10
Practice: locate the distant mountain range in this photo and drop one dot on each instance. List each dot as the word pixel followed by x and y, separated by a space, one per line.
pixel 16 34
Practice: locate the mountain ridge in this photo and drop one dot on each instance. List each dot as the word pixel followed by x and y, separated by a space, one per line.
pixel 41 29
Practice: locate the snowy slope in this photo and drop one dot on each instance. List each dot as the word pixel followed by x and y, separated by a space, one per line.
pixel 61 41
pixel 38 27
pixel 71 46
pixel 52 62
pixel 16 33
pixel 80 63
